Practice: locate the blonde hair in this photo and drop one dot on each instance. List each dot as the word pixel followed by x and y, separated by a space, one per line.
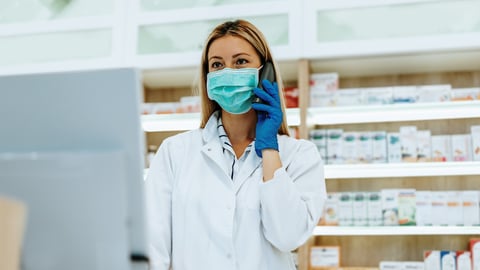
pixel 247 31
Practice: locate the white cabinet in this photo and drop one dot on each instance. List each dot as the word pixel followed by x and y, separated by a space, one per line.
pixel 49 35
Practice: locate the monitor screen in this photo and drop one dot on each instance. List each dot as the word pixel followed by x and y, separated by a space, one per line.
pixel 72 149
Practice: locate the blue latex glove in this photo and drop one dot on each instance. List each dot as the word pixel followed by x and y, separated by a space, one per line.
pixel 270 117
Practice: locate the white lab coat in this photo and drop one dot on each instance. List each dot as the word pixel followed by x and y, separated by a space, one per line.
pixel 199 219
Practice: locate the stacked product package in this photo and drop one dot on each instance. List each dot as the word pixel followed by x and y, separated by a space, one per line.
pixel 402 207
pixel 409 144
pixel 325 92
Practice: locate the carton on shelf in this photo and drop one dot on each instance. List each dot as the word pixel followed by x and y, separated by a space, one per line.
pixel 364 147
pixel 448 260
pixel 462 147
pixel 406 207
pixel 441 149
pixel 324 256
pixel 331 208
pixel 475 252
pixel 291 97
pixel 434 93
pixel 334 146
pixel 394 149
pixel 431 259
pixel 387 265
pixel 319 138
pixel 454 208
pixel 360 209
pixel 439 208
pixel 424 208
pixel 378 95
pixel 464 260
pixel 424 146
pixel 471 205
pixel 349 97
pixel 463 94
pixel 408 142
pixel 475 133
pixel 349 146
pixel 345 209
pixel 374 209
pixel 389 207
pixel 379 147
pixel 405 94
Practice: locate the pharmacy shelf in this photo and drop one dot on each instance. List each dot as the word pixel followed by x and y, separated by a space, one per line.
pixel 188 121
pixel 402 169
pixel 395 230
pixel 393 112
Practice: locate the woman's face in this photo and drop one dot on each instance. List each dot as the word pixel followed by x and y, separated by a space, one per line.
pixel 232 52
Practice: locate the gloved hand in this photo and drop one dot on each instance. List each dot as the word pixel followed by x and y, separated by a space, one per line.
pixel 270 117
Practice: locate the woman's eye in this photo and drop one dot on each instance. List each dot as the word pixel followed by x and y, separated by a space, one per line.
pixel 216 65
pixel 241 62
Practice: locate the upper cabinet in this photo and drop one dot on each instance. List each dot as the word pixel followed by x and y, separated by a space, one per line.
pixel 373 38
pixel 171 35
pixel 40 35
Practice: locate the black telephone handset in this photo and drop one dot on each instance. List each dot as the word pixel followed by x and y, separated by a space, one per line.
pixel 267 72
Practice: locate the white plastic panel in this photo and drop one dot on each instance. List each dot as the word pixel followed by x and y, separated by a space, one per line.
pixel 12 11
pixel 50 47
pixel 190 36
pixel 398 21
pixel 150 5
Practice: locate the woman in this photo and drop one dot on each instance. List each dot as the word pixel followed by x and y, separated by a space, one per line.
pixel 237 193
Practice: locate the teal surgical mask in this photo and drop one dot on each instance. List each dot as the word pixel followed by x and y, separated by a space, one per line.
pixel 232 89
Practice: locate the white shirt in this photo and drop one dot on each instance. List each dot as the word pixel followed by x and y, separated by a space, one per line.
pixel 200 219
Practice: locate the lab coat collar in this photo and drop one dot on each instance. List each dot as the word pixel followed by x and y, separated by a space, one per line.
pixel 213 149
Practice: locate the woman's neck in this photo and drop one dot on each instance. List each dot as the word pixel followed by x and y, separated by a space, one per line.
pixel 240 129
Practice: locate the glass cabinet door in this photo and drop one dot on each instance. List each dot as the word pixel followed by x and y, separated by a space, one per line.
pixel 190 36
pixel 15 11
pixel 399 26
pixel 157 5
pixel 52 47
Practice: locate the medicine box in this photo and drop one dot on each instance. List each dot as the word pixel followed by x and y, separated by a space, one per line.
pixel 334 146
pixel 319 138
pixel 441 150
pixel 406 207
pixel 386 265
pixel 405 94
pixel 413 266
pixel 448 260
pixel 424 146
pixel 374 209
pixel 439 208
pixel 462 147
pixel 360 209
pixel 330 214
pixel 364 147
pixel 454 208
pixel 324 256
pixel 394 147
pixel 475 252
pixel 349 147
pixel 345 209
pixel 349 97
pixel 408 142
pixel 471 212
pixel 434 93
pixel 324 81
pixel 389 207
pixel 462 94
pixel 379 147
pixel 378 95
pixel 424 208
pixel 475 133
pixel 464 260
pixel 431 259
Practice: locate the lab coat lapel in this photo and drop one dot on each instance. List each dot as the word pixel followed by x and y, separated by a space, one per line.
pixel 214 151
pixel 212 147
pixel 252 163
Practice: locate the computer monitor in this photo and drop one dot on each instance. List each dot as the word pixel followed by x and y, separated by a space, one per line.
pixel 72 149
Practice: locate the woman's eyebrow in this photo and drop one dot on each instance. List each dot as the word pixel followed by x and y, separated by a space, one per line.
pixel 214 57
pixel 239 54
